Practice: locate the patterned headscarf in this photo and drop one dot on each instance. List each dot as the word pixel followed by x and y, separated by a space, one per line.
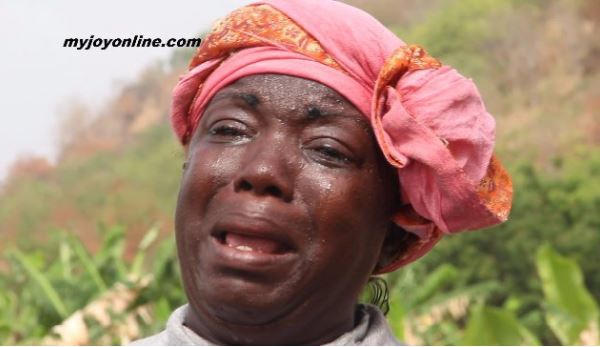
pixel 430 122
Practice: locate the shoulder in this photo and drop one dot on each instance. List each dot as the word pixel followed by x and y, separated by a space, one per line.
pixel 160 339
pixel 175 333
pixel 379 331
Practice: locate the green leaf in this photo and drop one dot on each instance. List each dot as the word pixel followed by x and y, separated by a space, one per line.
pixel 111 253
pixel 571 309
pixel 443 275
pixel 162 311
pixel 397 313
pixel 490 326
pixel 43 282
pixel 138 260
pixel 65 254
pixel 88 264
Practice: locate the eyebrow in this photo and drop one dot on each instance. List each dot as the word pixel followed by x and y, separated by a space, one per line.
pixel 250 99
pixel 314 113
pixel 332 102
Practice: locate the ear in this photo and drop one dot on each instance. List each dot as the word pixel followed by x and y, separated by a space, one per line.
pixel 397 241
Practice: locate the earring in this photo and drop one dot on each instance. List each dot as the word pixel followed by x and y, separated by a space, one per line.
pixel 378 293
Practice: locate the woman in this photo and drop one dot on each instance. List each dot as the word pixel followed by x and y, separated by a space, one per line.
pixel 321 150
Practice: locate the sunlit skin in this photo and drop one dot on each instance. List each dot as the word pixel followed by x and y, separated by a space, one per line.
pixel 290 161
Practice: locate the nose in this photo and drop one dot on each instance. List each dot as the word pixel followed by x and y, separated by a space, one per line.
pixel 267 171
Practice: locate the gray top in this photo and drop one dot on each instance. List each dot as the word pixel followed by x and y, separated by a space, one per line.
pixel 372 330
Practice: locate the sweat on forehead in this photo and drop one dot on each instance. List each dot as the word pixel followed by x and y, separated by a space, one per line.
pixel 276 86
pixel 315 99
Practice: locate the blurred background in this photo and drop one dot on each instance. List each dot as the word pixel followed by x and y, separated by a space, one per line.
pixel 89 172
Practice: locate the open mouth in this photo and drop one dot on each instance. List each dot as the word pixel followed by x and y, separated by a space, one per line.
pixel 252 243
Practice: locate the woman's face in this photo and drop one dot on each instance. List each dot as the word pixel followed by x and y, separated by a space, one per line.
pixel 284 205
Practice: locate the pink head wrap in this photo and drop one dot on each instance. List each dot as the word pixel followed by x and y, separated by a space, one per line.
pixel 430 121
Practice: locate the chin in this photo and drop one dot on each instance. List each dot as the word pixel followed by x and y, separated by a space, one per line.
pixel 245 302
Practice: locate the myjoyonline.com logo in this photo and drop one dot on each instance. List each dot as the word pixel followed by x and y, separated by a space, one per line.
pixel 136 41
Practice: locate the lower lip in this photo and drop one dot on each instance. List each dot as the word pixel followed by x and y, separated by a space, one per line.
pixel 250 260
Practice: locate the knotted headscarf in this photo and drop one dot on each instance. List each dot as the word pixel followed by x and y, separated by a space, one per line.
pixel 430 122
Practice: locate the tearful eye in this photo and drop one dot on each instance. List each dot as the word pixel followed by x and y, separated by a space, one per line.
pixel 333 154
pixel 225 131
pixel 329 152
pixel 229 130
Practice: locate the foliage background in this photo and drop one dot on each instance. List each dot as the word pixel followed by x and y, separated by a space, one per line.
pixel 88 239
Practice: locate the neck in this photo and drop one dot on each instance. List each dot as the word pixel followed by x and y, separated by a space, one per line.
pixel 315 328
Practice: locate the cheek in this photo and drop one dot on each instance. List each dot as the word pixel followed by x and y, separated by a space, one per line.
pixel 207 173
pixel 348 200
pixel 208 170
pixel 349 223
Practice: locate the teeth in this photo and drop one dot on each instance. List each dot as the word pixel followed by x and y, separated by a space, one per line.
pixel 244 248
